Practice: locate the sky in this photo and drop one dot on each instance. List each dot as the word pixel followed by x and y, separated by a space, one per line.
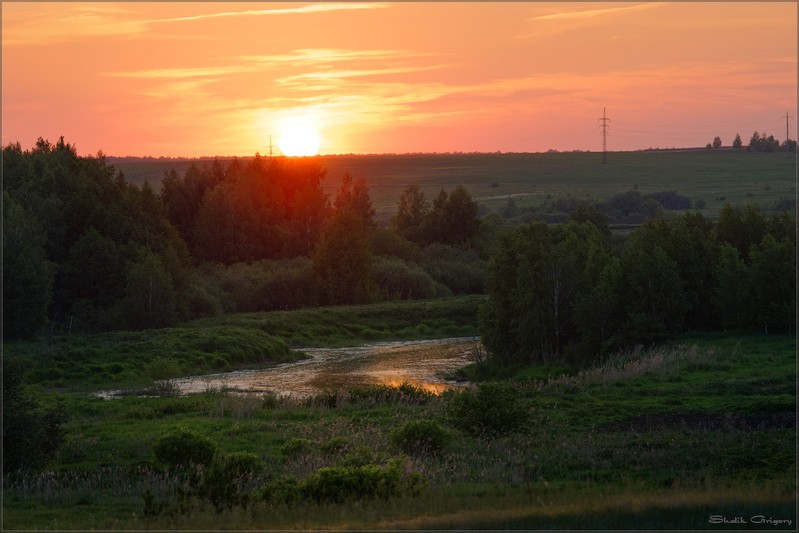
pixel 202 79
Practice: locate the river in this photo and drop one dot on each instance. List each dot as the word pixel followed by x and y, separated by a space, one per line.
pixel 419 363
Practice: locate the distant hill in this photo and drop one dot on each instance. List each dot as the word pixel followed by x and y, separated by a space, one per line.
pixel 716 176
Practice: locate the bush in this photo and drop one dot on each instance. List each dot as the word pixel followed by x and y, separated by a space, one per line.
pixel 387 242
pixel 296 447
pixel 238 464
pixel 400 280
pixel 184 447
pixel 340 484
pixel 285 490
pixel 335 446
pixel 421 436
pixel 461 271
pixel 262 285
pixel 222 482
pixel 493 409
pixel 671 200
pixel 32 432
pixel 162 368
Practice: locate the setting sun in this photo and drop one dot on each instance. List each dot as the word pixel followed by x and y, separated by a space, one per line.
pixel 299 140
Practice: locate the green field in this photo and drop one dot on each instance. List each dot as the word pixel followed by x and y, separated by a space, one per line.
pixel 714 176
pixel 662 437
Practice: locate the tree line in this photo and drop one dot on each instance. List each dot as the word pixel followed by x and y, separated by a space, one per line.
pixel 570 292
pixel 759 142
pixel 86 250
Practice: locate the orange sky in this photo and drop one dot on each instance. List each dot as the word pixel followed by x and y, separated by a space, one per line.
pixel 191 79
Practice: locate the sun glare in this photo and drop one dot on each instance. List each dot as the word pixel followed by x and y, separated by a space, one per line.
pixel 299 140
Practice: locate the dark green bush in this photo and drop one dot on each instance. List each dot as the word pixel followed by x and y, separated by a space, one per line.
pixel 184 447
pixel 389 243
pixel 340 484
pixel 238 464
pixel 334 446
pixel 493 409
pixel 32 431
pixel 400 280
pixel 284 490
pixel 296 447
pixel 420 437
pixel 163 368
pixel 461 271
pixel 222 482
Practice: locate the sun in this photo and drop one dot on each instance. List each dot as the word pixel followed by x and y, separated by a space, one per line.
pixel 299 140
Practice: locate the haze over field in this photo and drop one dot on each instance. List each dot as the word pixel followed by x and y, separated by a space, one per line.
pixel 192 79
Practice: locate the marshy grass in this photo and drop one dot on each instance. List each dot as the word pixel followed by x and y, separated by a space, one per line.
pixel 658 437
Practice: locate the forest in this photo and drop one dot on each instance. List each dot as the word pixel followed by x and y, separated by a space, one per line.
pixel 106 280
pixel 88 251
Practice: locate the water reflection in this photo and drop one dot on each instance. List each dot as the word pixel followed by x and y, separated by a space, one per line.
pixel 389 363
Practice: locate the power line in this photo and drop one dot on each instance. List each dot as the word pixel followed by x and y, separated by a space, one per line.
pixel 604 120
pixel 270 145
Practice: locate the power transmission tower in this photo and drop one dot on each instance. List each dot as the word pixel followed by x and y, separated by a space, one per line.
pixel 604 120
pixel 270 145
pixel 787 130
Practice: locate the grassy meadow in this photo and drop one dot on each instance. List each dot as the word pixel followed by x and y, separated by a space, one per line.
pixel 713 176
pixel 659 437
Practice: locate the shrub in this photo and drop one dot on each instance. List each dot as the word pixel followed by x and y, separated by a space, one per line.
pixel 32 431
pixel 162 368
pixel 334 446
pixel 387 242
pixel 461 271
pixel 222 482
pixel 262 285
pixel 493 409
pixel 421 436
pixel 398 279
pixel 296 447
pixel 671 200
pixel 340 484
pixel 286 490
pixel 238 464
pixel 184 447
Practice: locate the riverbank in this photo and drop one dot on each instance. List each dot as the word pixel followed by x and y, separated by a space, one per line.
pixel 127 359
pixel 422 364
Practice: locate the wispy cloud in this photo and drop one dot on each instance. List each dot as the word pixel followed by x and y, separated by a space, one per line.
pixel 326 75
pixel 591 13
pixel 25 24
pixel 28 25
pixel 329 55
pixel 312 8
pixel 173 73
pixel 554 23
